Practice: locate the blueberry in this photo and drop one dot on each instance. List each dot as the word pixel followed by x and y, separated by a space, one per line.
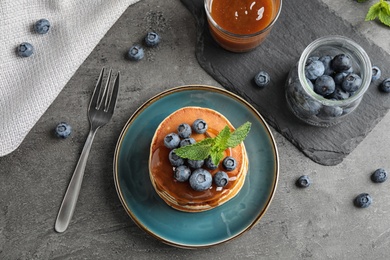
pixel 184 130
pixel 171 140
pixel 262 79
pixel 326 61
pixel 174 159
pixel 310 83
pixel 209 163
pixel 339 94
pixel 199 126
pixel 187 141
pixel 314 58
pixel 379 175
pixel 200 180
pixel 351 82
pixel 385 85
pixel 339 77
pixel 221 179
pixel 341 62
pixel 350 70
pixel 300 102
pixel 152 39
pixel 182 173
pixel 229 163
pixel 324 85
pixel 63 130
pixel 195 164
pixel 376 73
pixel 42 26
pixel 303 181
pixel 135 53
pixel 25 49
pixel 363 200
pixel 331 111
pixel 314 68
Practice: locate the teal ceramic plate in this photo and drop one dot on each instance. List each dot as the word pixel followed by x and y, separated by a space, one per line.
pixel 208 228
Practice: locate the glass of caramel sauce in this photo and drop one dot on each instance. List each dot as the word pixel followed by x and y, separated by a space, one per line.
pixel 241 25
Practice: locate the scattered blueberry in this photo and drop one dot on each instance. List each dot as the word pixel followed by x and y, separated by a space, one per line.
pixel 152 39
pixel 184 130
pixel 314 68
pixel 363 200
pixel 200 180
pixel 135 53
pixel 379 175
pixel 262 79
pixel 25 49
pixel 171 140
pixel 174 159
pixel 195 164
pixel 324 85
pixel 199 126
pixel 187 141
pixel 341 62
pixel 182 173
pixel 42 26
pixel 229 163
pixel 303 181
pixel 221 179
pixel 63 130
pixel 385 85
pixel 326 59
pixel 208 162
pixel 376 73
pixel 351 82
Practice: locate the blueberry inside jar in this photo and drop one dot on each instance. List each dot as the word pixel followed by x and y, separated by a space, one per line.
pixel 323 95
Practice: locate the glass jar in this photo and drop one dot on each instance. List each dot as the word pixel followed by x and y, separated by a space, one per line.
pixel 240 40
pixel 314 109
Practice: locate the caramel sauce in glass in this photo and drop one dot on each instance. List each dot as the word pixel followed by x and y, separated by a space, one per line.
pixel 242 16
pixel 241 25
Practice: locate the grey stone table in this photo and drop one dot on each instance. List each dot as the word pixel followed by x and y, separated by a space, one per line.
pixel 319 222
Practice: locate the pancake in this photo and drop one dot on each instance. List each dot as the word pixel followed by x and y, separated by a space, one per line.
pixel 180 195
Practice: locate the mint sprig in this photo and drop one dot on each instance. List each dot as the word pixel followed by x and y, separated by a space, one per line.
pixel 214 147
pixel 380 10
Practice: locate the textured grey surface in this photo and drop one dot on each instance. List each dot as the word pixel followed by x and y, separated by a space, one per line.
pixel 276 55
pixel 318 223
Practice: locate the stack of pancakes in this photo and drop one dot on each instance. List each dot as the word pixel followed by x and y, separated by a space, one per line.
pixel 180 195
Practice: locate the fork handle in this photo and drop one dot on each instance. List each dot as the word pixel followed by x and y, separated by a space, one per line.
pixel 72 193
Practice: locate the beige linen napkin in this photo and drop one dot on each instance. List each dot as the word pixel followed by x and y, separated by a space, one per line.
pixel 29 85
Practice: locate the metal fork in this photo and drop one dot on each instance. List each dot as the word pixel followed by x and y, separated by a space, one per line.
pixel 100 111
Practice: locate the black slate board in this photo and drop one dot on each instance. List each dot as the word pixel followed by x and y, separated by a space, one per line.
pixel 300 23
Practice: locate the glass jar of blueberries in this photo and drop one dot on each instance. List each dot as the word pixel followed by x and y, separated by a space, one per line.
pixel 329 81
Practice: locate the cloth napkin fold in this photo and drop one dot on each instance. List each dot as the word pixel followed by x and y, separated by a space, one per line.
pixel 29 85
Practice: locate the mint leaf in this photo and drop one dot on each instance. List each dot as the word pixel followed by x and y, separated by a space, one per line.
pixel 379 10
pixel 222 138
pixel 196 151
pixel 216 156
pixel 239 135
pixel 373 12
pixel 384 18
pixel 214 147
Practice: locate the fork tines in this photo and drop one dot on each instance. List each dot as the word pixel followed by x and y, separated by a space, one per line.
pixel 107 95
